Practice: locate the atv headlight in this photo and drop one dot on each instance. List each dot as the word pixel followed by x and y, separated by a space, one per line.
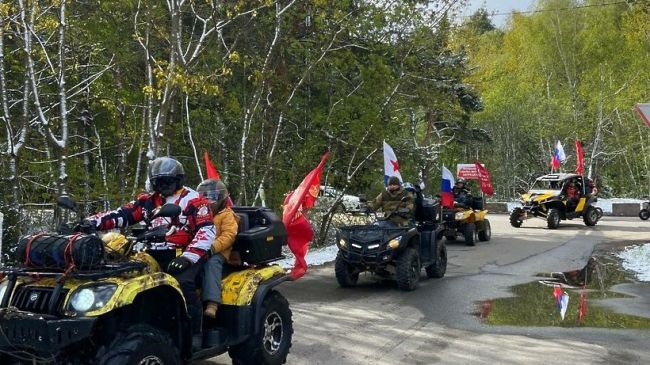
pixel 342 243
pixel 3 289
pixel 394 243
pixel 90 298
pixel 459 216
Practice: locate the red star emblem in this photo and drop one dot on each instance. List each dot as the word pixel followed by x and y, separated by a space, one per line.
pixel 395 165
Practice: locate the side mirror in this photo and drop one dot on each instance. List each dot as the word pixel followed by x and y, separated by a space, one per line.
pixel 168 211
pixel 403 199
pixel 66 203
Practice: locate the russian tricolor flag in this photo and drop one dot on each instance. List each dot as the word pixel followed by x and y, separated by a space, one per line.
pixel 446 195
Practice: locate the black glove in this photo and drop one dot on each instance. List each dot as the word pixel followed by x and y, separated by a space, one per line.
pixel 88 226
pixel 178 265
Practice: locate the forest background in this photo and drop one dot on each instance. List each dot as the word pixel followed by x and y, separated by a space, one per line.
pixel 91 91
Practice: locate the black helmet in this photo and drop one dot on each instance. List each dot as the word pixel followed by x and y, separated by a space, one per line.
pixel 460 181
pixel 166 175
pixel 214 190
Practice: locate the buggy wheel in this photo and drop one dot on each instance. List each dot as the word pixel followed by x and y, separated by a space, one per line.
pixel 469 230
pixel 515 218
pixel 553 218
pixel 644 214
pixel 486 233
pixel 591 217
pixel 346 274
pixel 271 345
pixel 439 266
pixel 408 270
pixel 139 345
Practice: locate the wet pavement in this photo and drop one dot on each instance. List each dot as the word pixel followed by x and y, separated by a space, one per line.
pixel 440 323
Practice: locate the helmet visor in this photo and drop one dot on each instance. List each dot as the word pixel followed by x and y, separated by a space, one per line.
pixel 212 195
pixel 166 185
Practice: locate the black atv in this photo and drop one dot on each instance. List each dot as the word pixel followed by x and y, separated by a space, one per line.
pixel 644 213
pixel 396 253
pixel 116 306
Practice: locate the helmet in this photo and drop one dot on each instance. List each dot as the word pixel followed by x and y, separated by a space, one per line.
pixel 166 175
pixel 461 181
pixel 214 190
pixel 409 186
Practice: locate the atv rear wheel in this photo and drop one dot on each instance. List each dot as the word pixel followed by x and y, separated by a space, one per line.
pixel 346 274
pixel 139 345
pixel 644 214
pixel 469 230
pixel 439 266
pixel 271 345
pixel 408 270
pixel 553 218
pixel 591 217
pixel 515 218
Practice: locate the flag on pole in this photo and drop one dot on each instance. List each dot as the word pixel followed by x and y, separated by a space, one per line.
pixel 209 167
pixel 644 112
pixel 484 179
pixel 299 231
pixel 391 166
pixel 446 195
pixel 212 173
pixel 558 156
pixel 580 160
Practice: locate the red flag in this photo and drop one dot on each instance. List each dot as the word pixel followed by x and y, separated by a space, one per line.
pixel 580 163
pixel 582 306
pixel 484 179
pixel 212 173
pixel 209 167
pixel 299 231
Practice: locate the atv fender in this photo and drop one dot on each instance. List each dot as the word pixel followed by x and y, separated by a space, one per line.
pixel 240 287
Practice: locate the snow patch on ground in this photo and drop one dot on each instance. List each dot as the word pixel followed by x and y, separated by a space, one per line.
pixel 318 256
pixel 637 259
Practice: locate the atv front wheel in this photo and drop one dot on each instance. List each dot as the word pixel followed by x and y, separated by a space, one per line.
pixel 515 218
pixel 644 214
pixel 271 345
pixel 553 218
pixel 439 266
pixel 140 344
pixel 345 273
pixel 591 217
pixel 408 270
pixel 486 233
pixel 469 229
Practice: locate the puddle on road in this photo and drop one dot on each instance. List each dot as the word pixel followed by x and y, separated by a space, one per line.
pixel 534 304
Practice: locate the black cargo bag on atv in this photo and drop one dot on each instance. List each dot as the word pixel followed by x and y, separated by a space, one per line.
pixel 45 250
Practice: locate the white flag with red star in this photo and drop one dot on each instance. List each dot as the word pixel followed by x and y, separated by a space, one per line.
pixel 391 166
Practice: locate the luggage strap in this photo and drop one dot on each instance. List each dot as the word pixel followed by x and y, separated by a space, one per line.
pixel 28 248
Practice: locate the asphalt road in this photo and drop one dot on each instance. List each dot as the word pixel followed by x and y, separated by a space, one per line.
pixel 375 323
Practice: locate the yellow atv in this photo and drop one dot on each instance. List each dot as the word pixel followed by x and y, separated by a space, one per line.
pixel 467 221
pixel 78 300
pixel 548 199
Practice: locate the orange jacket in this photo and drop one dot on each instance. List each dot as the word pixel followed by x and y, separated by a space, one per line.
pixel 226 223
